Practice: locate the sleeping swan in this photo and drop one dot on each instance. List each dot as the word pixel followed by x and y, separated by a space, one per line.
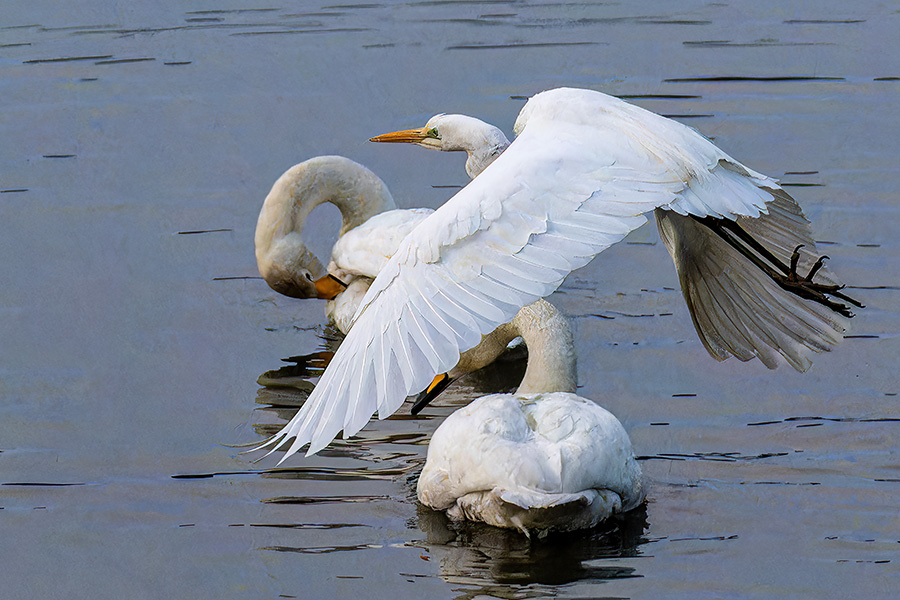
pixel 542 459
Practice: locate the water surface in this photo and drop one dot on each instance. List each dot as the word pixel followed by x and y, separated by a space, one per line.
pixel 140 141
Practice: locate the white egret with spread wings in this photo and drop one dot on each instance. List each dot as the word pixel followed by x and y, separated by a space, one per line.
pixel 581 173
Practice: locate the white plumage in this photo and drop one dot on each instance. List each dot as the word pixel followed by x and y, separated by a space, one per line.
pixel 540 459
pixel 583 170
pixel 359 255
pixel 553 461
pixel 371 230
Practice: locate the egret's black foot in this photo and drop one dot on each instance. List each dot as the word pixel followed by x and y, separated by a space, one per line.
pixel 817 292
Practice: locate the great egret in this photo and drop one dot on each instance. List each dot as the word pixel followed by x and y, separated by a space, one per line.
pixel 703 255
pixel 582 171
pixel 482 142
pixel 540 459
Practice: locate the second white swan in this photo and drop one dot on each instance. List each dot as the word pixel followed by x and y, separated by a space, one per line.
pixel 541 459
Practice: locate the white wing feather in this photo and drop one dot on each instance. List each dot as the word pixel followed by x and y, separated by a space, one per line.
pixel 579 176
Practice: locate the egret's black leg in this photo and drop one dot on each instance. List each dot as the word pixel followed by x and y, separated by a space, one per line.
pixel 795 258
pixel 785 275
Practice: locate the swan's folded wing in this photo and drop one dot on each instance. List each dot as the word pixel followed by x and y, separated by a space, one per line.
pixel 573 183
pixel 365 249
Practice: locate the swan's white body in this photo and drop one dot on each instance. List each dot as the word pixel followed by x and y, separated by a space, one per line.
pixel 583 170
pixel 359 255
pixel 553 461
pixel 540 459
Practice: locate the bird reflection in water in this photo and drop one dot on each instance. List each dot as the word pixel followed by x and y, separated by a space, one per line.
pixel 492 559
pixel 289 385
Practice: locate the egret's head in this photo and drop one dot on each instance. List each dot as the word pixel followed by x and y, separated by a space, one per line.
pixel 481 141
pixel 449 133
pixel 427 137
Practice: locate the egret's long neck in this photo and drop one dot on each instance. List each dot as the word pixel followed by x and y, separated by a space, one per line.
pixel 551 352
pixel 491 142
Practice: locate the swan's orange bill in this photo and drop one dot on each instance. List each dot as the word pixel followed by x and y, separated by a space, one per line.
pixel 328 287
pixel 434 389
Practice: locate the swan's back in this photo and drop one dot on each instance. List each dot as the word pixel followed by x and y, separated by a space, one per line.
pixel 364 250
pixel 544 461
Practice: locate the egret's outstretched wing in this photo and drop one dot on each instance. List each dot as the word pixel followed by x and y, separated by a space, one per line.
pixel 578 178
pixel 737 309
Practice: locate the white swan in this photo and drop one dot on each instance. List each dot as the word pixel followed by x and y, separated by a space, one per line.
pixel 579 176
pixel 358 256
pixel 372 226
pixel 540 459
pixel 371 229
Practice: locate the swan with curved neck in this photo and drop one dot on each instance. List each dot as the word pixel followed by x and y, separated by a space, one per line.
pixel 372 226
pixel 541 459
pixel 371 229
pixel 282 256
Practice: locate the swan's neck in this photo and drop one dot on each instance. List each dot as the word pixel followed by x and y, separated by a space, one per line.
pixel 354 190
pixel 551 350
pixel 280 250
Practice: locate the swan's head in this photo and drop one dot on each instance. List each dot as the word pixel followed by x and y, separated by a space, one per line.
pixel 282 256
pixel 481 141
pixel 296 284
pixel 289 267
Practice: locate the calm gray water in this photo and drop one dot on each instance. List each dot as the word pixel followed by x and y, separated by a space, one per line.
pixel 129 357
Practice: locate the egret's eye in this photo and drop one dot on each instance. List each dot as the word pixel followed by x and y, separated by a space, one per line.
pixel 432 133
